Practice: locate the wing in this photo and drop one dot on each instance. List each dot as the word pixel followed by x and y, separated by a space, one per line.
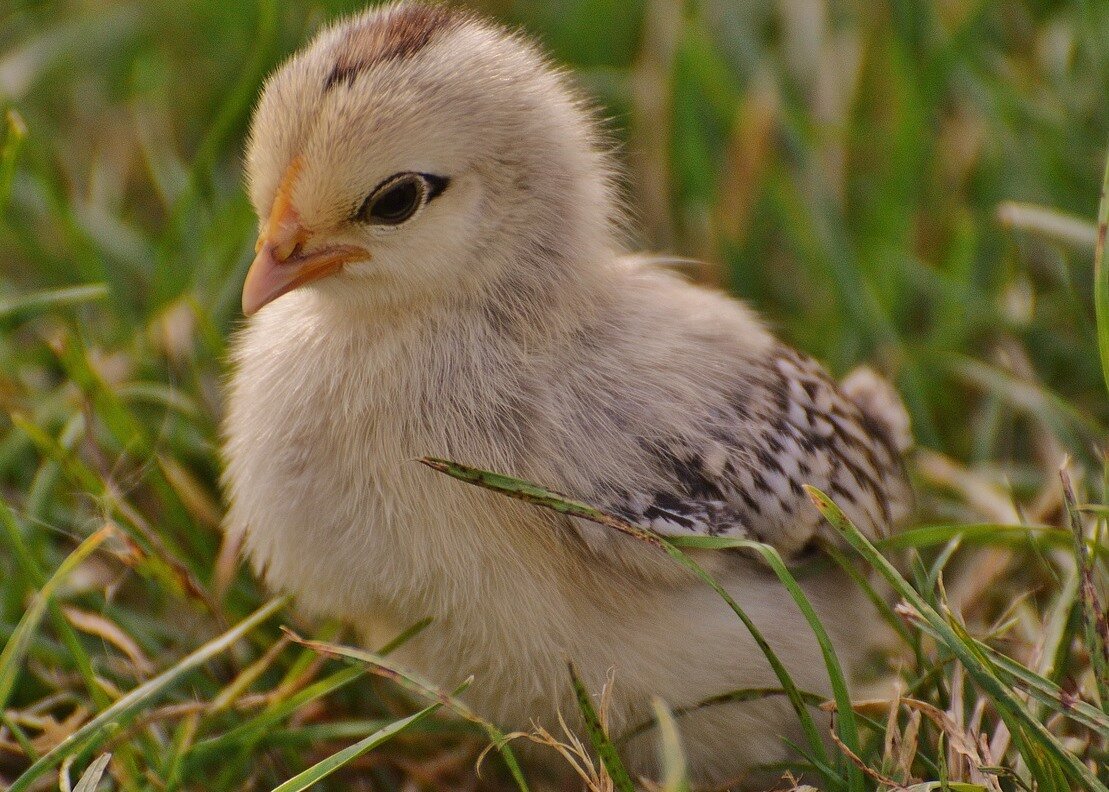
pixel 743 475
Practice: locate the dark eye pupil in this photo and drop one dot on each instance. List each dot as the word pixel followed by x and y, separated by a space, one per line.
pixel 397 203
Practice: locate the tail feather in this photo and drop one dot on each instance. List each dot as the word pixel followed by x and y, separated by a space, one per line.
pixel 877 400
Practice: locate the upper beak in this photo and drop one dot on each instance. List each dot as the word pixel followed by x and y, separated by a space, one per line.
pixel 281 264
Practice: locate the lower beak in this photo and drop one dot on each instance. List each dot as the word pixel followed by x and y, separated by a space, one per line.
pixel 272 275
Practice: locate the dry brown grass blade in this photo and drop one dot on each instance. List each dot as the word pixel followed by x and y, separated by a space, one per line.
pixel 965 757
pixel 95 624
pixel 652 89
pixel 749 148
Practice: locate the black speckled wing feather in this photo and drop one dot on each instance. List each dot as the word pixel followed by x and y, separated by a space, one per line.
pixel 746 481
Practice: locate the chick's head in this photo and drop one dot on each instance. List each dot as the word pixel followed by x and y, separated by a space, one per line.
pixel 415 153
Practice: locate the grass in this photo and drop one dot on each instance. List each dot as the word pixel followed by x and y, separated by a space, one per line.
pixel 913 184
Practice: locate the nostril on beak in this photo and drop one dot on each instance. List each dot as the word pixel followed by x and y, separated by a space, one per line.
pixel 291 246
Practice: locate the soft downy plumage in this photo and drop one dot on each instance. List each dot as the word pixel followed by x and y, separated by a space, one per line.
pixel 440 272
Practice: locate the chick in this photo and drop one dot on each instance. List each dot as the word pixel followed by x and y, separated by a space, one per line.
pixel 440 272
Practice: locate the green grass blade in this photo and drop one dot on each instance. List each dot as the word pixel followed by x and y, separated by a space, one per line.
pixel 108 721
pixel 326 767
pixel 600 740
pixel 675 770
pixel 526 491
pixel 731 697
pixel 923 536
pixel 24 305
pixel 1101 276
pixel 11 658
pixel 13 142
pixel 182 741
pixel 404 636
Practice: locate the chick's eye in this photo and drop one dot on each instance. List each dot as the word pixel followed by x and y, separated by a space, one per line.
pixel 395 201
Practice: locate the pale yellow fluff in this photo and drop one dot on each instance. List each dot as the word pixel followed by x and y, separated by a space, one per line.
pixel 503 326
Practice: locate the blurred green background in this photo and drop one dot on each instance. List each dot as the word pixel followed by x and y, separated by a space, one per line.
pixel 910 184
pixel 838 164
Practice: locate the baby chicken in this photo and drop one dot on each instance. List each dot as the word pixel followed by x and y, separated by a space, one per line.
pixel 439 272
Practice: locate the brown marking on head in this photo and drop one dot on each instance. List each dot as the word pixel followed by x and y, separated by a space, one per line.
pixel 397 33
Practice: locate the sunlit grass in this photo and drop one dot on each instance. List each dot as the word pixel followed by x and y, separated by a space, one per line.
pixel 910 184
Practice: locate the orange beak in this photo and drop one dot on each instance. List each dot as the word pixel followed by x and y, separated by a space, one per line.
pixel 281 264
